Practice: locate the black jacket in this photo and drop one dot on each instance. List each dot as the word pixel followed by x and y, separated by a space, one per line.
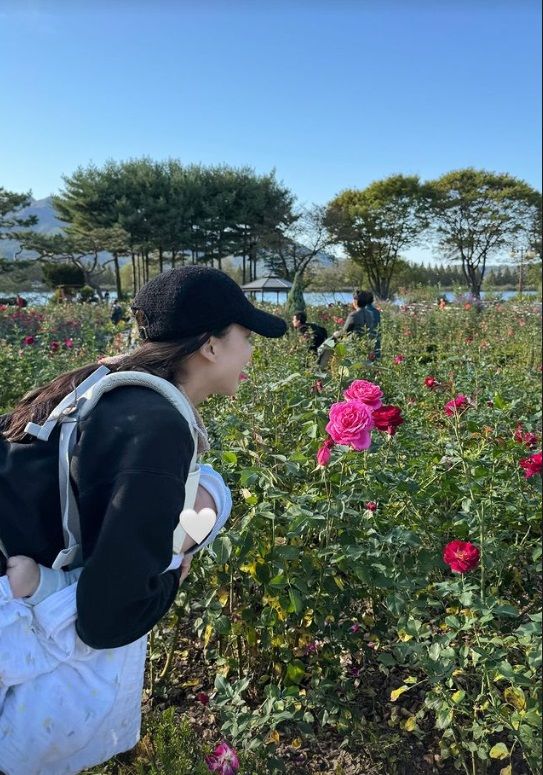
pixel 128 469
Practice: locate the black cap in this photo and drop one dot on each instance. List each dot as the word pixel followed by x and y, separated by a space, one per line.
pixel 193 300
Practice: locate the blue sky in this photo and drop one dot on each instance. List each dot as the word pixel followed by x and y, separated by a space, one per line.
pixel 330 94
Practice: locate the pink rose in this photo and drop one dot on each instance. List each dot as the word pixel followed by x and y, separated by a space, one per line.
pixel 28 340
pixel 458 404
pixel 532 465
pixel 223 760
pixel 371 506
pixel 69 343
pixel 398 359
pixel 350 424
pixel 323 455
pixel 461 556
pixel 367 392
pixel 430 382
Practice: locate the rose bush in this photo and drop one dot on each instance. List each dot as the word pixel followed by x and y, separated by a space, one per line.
pixel 320 614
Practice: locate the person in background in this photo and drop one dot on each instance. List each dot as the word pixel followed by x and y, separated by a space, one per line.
pixel 116 313
pixel 312 332
pixel 376 332
pixel 360 320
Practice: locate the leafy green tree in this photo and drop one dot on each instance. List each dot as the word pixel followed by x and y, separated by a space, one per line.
pixel 10 205
pixel 476 214
pixel 376 224
pixel 167 212
pixel 62 274
pixel 79 249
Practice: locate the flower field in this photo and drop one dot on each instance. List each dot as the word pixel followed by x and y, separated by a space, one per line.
pixel 374 603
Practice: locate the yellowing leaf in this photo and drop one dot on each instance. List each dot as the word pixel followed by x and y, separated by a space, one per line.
pixel 398 692
pixel 404 636
pixel 296 743
pixel 208 632
pixel 273 737
pixel 246 493
pixel 222 597
pixel 308 617
pixel 499 751
pixel 458 696
pixel 506 770
pixel 410 724
pixel 410 679
pixel 192 682
pixel 515 697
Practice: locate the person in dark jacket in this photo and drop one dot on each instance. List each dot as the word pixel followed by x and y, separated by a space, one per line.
pixel 128 469
pixel 311 332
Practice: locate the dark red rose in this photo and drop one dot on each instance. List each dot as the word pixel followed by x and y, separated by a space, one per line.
pixel 388 418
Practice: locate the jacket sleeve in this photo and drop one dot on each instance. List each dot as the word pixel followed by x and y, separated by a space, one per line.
pixel 132 461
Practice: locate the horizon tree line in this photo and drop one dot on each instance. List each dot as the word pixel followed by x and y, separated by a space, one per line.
pixel 163 214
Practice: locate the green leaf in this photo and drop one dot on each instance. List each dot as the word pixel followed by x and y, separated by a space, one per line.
pixel 229 457
pixel 296 602
pixel 458 696
pixel 222 547
pixel 434 651
pixel 295 672
pixel 499 402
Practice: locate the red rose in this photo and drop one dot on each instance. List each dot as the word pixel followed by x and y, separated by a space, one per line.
pixel 457 405
pixel 388 418
pixel 370 506
pixel 203 698
pixel 532 465
pixel 430 382
pixel 461 556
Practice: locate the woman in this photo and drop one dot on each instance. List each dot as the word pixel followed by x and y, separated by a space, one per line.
pixel 128 470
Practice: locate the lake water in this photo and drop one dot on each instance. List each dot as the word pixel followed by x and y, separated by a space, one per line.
pixel 316 299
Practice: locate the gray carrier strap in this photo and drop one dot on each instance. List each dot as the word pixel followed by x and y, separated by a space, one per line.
pixel 77 405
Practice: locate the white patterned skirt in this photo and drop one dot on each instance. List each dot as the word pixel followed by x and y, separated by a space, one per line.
pixel 64 707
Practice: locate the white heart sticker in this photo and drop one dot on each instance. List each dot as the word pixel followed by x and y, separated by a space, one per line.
pixel 197 525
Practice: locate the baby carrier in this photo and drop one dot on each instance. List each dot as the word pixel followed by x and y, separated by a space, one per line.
pixel 67 706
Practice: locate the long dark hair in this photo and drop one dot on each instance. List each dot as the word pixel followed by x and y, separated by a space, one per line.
pixel 163 359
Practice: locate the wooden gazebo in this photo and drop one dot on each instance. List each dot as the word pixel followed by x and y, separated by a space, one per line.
pixel 267 284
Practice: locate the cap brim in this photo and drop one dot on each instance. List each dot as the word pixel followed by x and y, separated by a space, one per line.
pixel 264 323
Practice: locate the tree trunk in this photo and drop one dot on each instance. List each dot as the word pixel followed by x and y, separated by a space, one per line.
pixel 160 260
pixel 117 275
pixel 134 274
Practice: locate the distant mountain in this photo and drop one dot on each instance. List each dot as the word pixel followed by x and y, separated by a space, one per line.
pixel 47 223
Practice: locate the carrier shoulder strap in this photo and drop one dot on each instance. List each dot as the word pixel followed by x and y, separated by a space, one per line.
pixel 77 405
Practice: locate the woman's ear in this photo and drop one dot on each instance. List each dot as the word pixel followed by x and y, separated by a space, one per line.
pixel 208 350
